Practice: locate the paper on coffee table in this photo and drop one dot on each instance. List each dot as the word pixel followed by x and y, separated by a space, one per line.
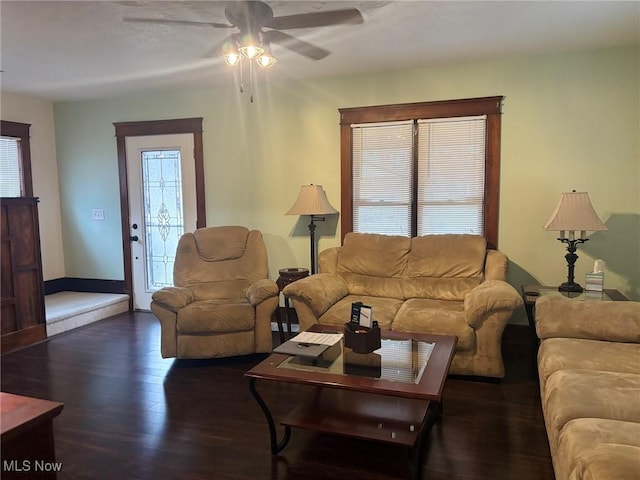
pixel 318 338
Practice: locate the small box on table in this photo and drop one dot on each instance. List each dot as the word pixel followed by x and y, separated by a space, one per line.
pixel 594 282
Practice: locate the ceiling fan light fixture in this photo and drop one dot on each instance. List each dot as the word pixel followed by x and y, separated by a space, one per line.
pixel 251 50
pixel 231 58
pixel 256 27
pixel 266 59
pixel 250 45
pixel 230 54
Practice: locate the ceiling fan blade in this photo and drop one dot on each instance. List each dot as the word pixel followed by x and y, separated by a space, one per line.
pixel 317 19
pixel 176 22
pixel 296 45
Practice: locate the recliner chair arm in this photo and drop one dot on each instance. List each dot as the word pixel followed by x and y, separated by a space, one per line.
pixel 319 292
pixel 174 298
pixel 487 298
pixel 261 290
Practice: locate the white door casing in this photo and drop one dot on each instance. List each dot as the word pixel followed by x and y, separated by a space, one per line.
pixel 157 226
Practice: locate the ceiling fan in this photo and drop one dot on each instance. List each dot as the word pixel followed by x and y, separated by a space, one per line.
pixel 251 18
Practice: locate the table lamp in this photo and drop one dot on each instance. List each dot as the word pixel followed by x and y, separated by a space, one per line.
pixel 312 201
pixel 573 214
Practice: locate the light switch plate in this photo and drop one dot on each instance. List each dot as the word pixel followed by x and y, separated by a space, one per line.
pixel 97 214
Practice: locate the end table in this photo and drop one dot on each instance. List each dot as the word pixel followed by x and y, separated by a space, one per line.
pixel 287 276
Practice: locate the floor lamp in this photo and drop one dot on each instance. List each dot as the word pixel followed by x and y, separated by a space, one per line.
pixel 312 201
pixel 573 214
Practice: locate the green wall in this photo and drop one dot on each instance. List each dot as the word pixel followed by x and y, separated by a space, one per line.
pixel 571 121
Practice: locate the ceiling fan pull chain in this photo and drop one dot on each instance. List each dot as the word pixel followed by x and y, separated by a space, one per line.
pixel 241 80
pixel 251 81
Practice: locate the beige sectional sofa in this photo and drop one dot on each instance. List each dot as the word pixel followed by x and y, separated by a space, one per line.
pixel 439 284
pixel 589 370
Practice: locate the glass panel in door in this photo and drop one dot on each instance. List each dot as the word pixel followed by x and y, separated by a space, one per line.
pixel 163 207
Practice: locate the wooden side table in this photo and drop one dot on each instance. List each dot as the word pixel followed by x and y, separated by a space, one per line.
pixel 287 276
pixel 530 293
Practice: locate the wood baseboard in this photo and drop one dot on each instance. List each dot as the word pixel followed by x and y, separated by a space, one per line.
pixel 21 338
pixel 90 285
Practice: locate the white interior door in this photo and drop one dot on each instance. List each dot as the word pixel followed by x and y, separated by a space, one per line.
pixel 162 206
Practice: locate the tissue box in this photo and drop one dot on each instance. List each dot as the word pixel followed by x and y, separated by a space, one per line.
pixel 594 282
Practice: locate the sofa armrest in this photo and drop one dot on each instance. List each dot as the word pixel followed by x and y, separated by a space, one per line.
pixel 557 316
pixel 261 290
pixel 318 292
pixel 488 298
pixel 328 260
pixel 173 298
pixel 496 265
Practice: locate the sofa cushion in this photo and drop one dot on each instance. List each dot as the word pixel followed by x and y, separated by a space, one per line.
pixel 374 265
pixel 558 316
pixel 239 262
pixel 444 267
pixel 383 310
pixel 213 316
pixel 582 434
pixel 572 393
pixel 221 243
pixel 438 317
pixel 575 353
pixel 212 346
pixel 223 289
pixel 608 461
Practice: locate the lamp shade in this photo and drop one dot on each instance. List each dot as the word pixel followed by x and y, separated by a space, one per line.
pixel 312 200
pixel 574 213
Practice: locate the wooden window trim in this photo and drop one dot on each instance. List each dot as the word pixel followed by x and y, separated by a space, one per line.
pixel 489 106
pixel 21 131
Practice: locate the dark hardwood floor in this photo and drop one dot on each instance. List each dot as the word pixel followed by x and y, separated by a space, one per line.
pixel 129 414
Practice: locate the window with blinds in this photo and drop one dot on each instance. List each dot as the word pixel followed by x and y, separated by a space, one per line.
pixel 382 177
pixel 447 157
pixel 422 168
pixel 10 167
pixel 451 164
pixel 15 160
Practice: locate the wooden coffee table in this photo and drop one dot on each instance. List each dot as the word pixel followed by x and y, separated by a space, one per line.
pixel 393 395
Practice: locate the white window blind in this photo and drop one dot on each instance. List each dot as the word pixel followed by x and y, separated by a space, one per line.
pixel 451 168
pixel 10 171
pixel 450 176
pixel 382 177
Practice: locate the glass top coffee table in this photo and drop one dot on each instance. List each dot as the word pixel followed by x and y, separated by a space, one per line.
pixel 392 395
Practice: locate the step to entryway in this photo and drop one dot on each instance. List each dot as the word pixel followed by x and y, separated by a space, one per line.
pixel 68 310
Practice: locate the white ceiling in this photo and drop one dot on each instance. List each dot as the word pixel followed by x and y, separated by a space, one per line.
pixel 67 50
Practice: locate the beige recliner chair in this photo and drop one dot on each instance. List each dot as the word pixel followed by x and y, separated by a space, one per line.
pixel 222 301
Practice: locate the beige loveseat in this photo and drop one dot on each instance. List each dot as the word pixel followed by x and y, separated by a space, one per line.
pixel 440 284
pixel 589 369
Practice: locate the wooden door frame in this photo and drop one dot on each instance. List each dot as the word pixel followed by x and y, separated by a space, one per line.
pixel 155 127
